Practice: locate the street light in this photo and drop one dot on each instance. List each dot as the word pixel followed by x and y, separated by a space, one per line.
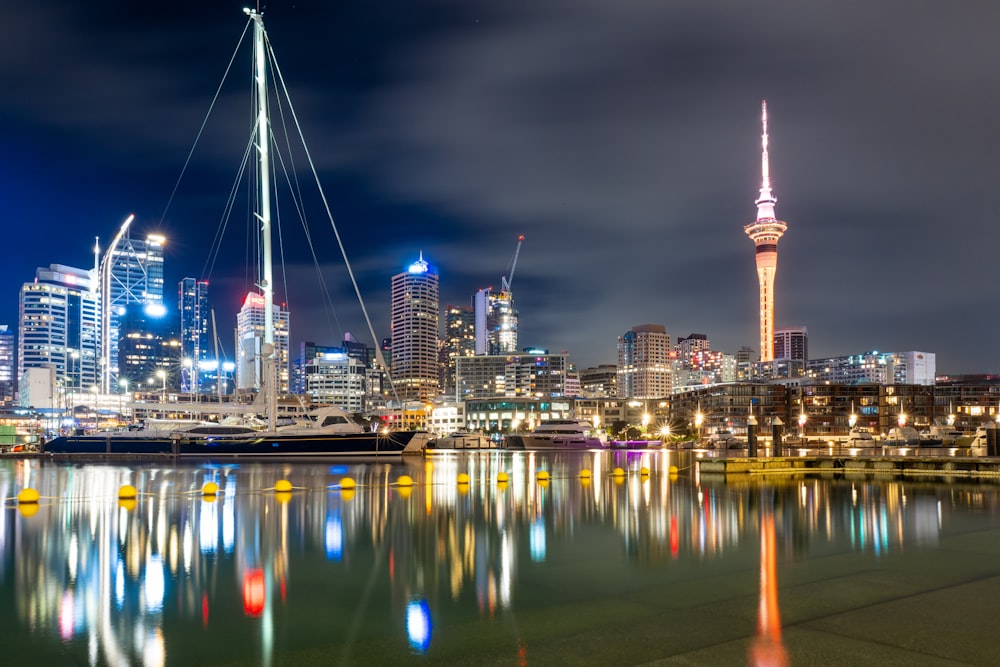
pixel 162 374
pixel 802 425
pixel 699 419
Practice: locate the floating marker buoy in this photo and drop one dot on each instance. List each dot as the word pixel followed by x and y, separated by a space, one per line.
pixel 502 477
pixel 347 483
pixel 282 486
pixel 502 486
pixel 405 491
pixel 27 497
pixel 585 474
pixel 283 496
pixel 404 480
pixel 347 494
pixel 618 472
pixel 672 470
pixel 542 476
pixel 210 489
pixel 644 471
pixel 127 492
pixel 463 478
pixel 29 509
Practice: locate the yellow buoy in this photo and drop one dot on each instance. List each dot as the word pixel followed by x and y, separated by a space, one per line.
pixel 644 471
pixel 463 489
pixel 502 486
pixel 672 470
pixel 585 482
pixel 127 492
pixel 618 472
pixel 27 497
pixel 585 474
pixel 283 486
pixel 404 491
pixel 283 496
pixel 347 494
pixel 502 477
pixel 210 489
pixel 542 476
pixel 404 480
pixel 347 483
pixel 463 478
pixel 543 483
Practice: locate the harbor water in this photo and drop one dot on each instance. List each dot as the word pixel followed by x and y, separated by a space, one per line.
pixel 619 557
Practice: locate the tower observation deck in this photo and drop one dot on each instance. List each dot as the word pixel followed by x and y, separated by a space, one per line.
pixel 765 232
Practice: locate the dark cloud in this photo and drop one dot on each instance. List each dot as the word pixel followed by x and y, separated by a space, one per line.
pixel 621 138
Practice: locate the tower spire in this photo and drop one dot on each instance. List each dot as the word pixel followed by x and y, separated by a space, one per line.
pixel 765 232
pixel 766 201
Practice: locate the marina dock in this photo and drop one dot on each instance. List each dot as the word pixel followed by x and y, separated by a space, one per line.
pixel 855 466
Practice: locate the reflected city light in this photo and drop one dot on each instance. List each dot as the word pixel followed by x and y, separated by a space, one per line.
pixel 418 625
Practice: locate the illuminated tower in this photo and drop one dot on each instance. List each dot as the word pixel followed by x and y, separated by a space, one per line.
pixel 415 371
pixel 765 232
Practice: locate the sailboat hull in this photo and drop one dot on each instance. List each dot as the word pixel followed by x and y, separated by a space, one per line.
pixel 257 446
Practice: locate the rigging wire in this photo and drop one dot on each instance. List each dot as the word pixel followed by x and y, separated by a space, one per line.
pixel 333 225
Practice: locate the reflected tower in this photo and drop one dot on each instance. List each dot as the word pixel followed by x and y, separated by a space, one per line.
pixel 765 232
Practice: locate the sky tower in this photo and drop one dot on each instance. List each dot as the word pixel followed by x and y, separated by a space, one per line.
pixel 765 232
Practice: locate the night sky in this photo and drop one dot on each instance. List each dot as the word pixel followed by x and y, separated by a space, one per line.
pixel 621 138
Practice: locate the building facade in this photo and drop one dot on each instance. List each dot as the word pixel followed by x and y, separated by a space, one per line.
pixel 645 368
pixel 875 367
pixel 192 306
pixel 495 322
pixel 59 326
pixel 250 367
pixel 791 343
pixel 459 341
pixel 8 369
pixel 131 273
pixel 414 367
pixel 531 373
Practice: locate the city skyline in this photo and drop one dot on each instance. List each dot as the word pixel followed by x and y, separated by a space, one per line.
pixel 622 142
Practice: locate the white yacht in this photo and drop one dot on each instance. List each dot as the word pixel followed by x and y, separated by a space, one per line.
pixel 560 434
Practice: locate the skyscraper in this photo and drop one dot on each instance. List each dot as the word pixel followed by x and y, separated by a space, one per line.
pixel 495 322
pixel 414 326
pixel 59 326
pixel 131 272
pixel 192 301
pixel 765 232
pixel 459 341
pixel 250 340
pixel 6 365
pixel 645 369
pixel 791 343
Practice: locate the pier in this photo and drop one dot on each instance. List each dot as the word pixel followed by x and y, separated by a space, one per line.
pixel 855 466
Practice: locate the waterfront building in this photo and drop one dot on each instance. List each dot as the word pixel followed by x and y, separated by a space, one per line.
pixel 414 365
pixel 459 341
pixel 333 377
pixel 875 367
pixel 250 340
pixel 446 418
pixel 512 414
pixel 7 367
pixel 534 372
pixel 765 232
pixel 149 353
pixel 59 326
pixel 131 273
pixel 192 301
pixel 791 343
pixel 645 368
pixel 599 381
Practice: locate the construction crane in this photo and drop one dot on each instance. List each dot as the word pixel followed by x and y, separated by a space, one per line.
pixel 505 281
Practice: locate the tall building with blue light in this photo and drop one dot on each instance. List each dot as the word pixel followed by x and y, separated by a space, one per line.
pixel 192 305
pixel 414 366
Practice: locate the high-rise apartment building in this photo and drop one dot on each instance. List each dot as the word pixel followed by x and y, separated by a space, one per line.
pixel 414 367
pixel 495 322
pixel 149 352
pixel 644 362
pixel 59 326
pixel 192 305
pixel 765 232
pixel 533 372
pixel 7 377
pixel 791 343
pixel 459 341
pixel 131 273
pixel 918 368
pixel 250 367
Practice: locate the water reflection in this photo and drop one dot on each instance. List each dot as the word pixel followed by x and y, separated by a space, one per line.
pixel 252 576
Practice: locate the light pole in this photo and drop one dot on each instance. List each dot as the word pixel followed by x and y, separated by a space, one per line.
pixel 699 419
pixel 162 374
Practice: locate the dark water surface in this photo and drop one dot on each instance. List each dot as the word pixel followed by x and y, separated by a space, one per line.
pixel 660 568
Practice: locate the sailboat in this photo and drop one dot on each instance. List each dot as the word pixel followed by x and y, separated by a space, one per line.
pixel 326 431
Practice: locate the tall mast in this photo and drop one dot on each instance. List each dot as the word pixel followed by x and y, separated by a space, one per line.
pixel 264 214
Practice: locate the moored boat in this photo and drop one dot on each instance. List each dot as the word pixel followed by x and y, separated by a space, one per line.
pixel 560 434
